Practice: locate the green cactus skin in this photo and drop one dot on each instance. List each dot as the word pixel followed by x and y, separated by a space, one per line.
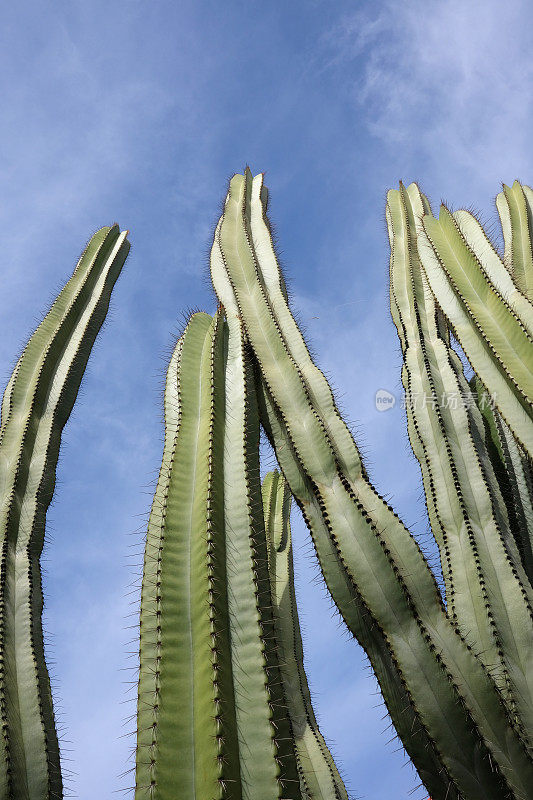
pixel 36 405
pixel 513 470
pixel 456 701
pixel 319 777
pixel 212 718
pixel 515 207
pixel 491 318
pixel 487 590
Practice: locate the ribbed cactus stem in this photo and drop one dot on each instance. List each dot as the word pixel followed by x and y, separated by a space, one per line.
pixel 491 318
pixel 319 775
pixel 487 590
pixel 381 563
pixel 36 405
pixel 515 207
pixel 212 718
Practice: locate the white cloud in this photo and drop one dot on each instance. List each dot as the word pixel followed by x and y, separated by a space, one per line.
pixel 446 82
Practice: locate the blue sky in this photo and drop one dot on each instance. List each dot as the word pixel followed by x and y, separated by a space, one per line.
pixel 139 112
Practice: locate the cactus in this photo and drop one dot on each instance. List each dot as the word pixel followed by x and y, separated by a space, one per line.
pixel 488 593
pixel 36 405
pixel 463 732
pixel 212 707
pixel 319 777
pixel 491 316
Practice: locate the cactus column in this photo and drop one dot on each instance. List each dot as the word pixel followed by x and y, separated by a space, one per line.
pixel 212 717
pixel 319 776
pixel 36 405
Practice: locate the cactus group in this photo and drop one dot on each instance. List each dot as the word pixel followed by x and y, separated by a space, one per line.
pixel 224 710
pixel 463 715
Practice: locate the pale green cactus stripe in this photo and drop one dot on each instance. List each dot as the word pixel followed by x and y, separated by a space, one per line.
pixel 382 561
pixel 515 207
pixel 511 403
pixel 185 686
pixel 319 775
pixel 486 589
pixel 35 408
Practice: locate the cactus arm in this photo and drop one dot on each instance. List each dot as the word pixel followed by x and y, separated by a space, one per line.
pixel 515 206
pixel 487 589
pixel 382 562
pixel 495 341
pixel 318 773
pixel 36 406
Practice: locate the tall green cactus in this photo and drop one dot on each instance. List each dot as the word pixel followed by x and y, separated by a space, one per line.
pixel 319 777
pixel 213 716
pixel 36 405
pixel 464 735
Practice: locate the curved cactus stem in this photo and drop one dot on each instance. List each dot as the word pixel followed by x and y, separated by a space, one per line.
pixel 491 320
pixel 382 563
pixel 515 207
pixel 212 720
pixel 36 405
pixel 319 776
pixel 407 721
pixel 487 590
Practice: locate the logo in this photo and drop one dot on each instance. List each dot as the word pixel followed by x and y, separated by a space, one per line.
pixel 384 400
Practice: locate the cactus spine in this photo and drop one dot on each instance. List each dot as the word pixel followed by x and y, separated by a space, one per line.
pixel 366 554
pixel 36 405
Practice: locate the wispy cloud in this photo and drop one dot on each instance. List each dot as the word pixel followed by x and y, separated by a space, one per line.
pixel 442 82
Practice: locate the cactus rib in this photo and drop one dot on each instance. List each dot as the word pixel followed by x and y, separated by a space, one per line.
pixel 36 405
pixel 382 562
